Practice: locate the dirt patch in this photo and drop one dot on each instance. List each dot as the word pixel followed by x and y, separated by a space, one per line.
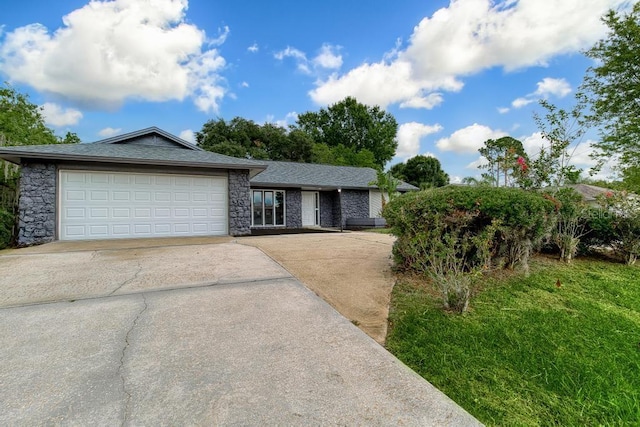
pixel 351 271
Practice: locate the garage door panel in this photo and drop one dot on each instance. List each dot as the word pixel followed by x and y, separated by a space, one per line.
pixel 99 205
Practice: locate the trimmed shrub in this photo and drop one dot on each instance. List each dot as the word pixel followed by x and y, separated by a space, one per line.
pixel 521 219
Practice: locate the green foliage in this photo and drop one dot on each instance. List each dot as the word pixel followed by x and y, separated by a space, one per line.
pixel 624 209
pixel 563 130
pixel 520 218
pixel 611 87
pixel 22 123
pixel 355 126
pixel 530 353
pixel 387 184
pixel 506 160
pixel 421 171
pixel 7 223
pixel 571 218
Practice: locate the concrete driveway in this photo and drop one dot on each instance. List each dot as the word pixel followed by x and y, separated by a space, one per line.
pixel 189 332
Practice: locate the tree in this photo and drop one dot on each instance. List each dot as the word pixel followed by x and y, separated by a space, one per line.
pixel 355 126
pixel 506 160
pixel 563 130
pixel 22 123
pixel 612 86
pixel 387 184
pixel 421 171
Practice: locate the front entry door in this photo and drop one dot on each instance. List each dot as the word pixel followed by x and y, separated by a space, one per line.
pixel 310 209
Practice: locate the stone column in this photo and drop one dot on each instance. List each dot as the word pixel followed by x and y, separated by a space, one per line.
pixel 239 203
pixel 37 204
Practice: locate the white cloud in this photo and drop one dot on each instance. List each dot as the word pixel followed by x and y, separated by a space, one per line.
pixel 328 57
pixel 503 110
pixel 244 84
pixel 409 136
pixel 188 135
pixel 522 102
pixel 547 87
pixel 110 51
pixel 299 56
pixel 468 139
pixel 466 37
pixel 553 87
pixel 107 132
pixel 55 115
pixel 253 48
pixel 476 164
pixel 289 118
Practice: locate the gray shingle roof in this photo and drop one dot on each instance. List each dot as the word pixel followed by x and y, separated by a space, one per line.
pixel 130 154
pixel 310 175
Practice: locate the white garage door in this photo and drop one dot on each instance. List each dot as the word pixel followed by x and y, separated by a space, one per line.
pixel 112 205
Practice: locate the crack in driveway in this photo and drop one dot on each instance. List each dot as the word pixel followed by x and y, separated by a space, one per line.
pixel 127 393
pixel 131 279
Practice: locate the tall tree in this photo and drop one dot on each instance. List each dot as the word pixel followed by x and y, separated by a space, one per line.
pixel 612 87
pixel 22 123
pixel 421 171
pixel 506 160
pixel 355 126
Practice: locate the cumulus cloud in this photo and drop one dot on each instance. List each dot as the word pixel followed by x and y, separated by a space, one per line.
pixel 328 57
pixel 55 115
pixel 253 48
pixel 466 37
pixel 188 135
pixel 556 87
pixel 107 132
pixel 109 51
pixel 409 136
pixel 468 139
pixel 522 102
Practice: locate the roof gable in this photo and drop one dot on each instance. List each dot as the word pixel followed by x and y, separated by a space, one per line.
pixel 152 136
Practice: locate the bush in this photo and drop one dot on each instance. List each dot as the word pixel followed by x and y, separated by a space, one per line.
pixel 7 223
pixel 522 219
pixel 570 224
pixel 453 234
pixel 624 210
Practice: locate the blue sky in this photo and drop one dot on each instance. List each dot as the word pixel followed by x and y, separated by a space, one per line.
pixel 453 73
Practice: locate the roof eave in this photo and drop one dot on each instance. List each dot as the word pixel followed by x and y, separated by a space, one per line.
pixel 17 157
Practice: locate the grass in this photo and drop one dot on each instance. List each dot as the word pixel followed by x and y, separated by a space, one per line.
pixel 528 352
pixel 379 230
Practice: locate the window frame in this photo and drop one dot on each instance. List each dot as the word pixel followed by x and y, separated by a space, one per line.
pixel 274 216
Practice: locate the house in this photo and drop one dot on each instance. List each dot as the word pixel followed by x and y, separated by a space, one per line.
pixel 150 183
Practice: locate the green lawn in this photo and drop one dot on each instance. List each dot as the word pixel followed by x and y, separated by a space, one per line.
pixel 528 352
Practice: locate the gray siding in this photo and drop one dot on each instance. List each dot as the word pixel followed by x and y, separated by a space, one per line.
pixel 37 204
pixel 239 203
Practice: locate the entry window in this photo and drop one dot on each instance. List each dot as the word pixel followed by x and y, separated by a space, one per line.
pixel 268 208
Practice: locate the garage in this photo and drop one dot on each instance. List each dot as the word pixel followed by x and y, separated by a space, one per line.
pixel 113 205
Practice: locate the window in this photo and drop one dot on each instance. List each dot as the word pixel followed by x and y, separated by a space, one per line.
pixel 267 207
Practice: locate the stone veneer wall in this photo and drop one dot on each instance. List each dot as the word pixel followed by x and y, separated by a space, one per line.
pixel 37 204
pixel 293 206
pixel 355 204
pixel 239 203
pixel 328 215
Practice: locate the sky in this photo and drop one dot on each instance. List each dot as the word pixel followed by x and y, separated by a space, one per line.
pixel 453 73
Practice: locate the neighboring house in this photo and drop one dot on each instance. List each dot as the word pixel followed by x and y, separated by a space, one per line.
pixel 590 193
pixel 150 183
